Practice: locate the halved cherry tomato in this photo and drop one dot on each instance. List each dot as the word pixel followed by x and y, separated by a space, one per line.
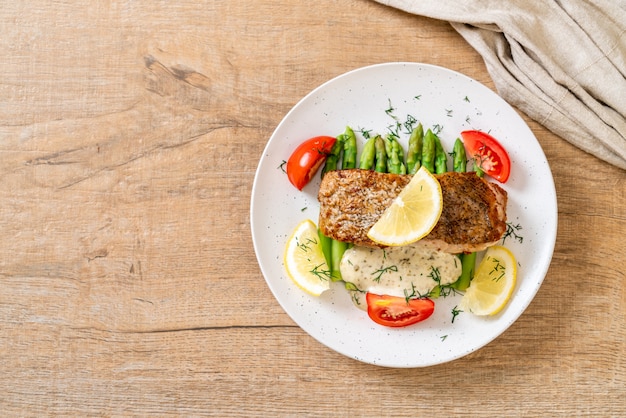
pixel 488 154
pixel 393 311
pixel 307 159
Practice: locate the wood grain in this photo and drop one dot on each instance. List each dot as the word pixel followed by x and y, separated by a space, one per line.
pixel 129 138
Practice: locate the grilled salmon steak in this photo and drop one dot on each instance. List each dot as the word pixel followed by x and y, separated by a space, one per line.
pixel 473 216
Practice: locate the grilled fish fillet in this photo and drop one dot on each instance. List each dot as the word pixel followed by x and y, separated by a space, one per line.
pixel 473 216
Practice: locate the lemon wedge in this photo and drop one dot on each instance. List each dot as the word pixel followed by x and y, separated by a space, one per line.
pixel 413 213
pixel 304 259
pixel 493 283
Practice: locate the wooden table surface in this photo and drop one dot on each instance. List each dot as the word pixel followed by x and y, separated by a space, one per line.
pixel 130 133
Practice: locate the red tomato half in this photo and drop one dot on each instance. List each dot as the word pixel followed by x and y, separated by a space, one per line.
pixel 489 155
pixel 307 159
pixel 393 311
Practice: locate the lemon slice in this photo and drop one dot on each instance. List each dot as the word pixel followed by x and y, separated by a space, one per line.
pixel 413 213
pixel 493 283
pixel 304 259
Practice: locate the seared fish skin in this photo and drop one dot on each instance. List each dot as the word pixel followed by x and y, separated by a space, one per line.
pixel 473 216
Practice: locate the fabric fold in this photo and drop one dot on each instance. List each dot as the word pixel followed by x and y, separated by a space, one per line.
pixel 563 63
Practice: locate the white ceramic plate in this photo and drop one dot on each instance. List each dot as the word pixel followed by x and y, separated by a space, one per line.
pixel 439 98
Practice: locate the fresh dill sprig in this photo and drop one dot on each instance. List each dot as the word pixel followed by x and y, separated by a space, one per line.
pixel 408 296
pixel 455 313
pixel 366 133
pixel 322 274
pixel 390 110
pixel 409 124
pixel 306 246
pixel 379 273
pixel 512 231
pixel 499 270
pixel 435 275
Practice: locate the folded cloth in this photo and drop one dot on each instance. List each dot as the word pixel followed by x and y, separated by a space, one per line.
pixel 562 62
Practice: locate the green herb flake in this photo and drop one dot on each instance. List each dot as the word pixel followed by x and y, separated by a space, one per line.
pixel 389 111
pixel 322 274
pixel 513 231
pixel 306 246
pixel 455 313
pixel 379 273
pixel 366 133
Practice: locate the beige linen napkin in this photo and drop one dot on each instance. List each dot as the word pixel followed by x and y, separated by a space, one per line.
pixel 562 62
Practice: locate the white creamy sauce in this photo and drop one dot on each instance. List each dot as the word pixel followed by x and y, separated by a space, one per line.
pixel 407 271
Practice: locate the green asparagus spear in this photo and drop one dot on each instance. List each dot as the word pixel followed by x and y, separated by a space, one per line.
pixel 348 162
pixel 468 261
pixel 459 161
pixel 366 161
pixel 468 264
pixel 381 155
pixel 479 171
pixel 326 243
pixel 428 151
pixel 349 149
pixel 414 154
pixel 397 148
pixel 337 250
pixel 388 147
pixel 351 286
pixel 395 156
pixel 441 158
pixel 332 160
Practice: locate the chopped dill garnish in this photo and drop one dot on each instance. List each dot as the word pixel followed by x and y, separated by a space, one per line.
pixel 445 291
pixel 390 109
pixel 435 275
pixel 394 130
pixel 282 166
pixel 455 313
pixel 512 231
pixel 499 270
pixel 366 133
pixel 379 273
pixel 322 274
pixel 409 123
pixel 408 296
pixel 306 246
pixel 355 299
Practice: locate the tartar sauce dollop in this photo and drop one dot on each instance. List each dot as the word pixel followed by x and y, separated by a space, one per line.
pixel 406 271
